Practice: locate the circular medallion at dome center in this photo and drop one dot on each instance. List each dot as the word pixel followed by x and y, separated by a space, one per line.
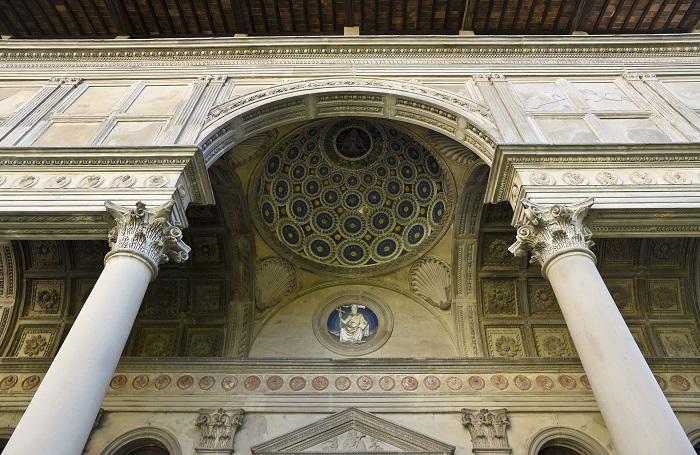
pixel 352 196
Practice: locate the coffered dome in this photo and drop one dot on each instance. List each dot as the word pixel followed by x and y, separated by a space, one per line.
pixel 352 196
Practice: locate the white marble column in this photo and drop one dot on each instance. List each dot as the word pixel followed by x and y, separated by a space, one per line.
pixel 634 408
pixel 59 418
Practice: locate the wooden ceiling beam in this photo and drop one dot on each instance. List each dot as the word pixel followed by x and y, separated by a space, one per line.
pixel 469 15
pixel 116 12
pixel 584 7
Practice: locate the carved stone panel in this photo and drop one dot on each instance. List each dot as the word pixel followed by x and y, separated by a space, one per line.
pixel 541 298
pixel 623 294
pixel 208 296
pixel 46 298
pixel 640 336
pixel 664 296
pixel 505 342
pixel 155 342
pixel 45 254
pixel 203 342
pixel 553 342
pixel 664 252
pixel 495 251
pixel 34 341
pixel 499 297
pixel 678 341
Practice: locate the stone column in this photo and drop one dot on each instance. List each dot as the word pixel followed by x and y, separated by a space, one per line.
pixel 59 418
pixel 639 418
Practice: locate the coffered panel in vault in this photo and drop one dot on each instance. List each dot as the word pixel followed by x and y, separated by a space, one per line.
pixel 651 281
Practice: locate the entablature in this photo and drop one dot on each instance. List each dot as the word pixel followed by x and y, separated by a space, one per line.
pixel 638 190
pixel 60 192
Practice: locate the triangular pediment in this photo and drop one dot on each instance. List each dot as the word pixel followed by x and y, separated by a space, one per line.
pixel 353 431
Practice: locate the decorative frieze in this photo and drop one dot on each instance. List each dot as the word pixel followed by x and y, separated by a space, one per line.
pixel 548 231
pixel 488 430
pixel 147 234
pixel 218 427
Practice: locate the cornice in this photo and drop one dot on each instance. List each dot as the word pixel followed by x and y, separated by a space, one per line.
pixel 653 46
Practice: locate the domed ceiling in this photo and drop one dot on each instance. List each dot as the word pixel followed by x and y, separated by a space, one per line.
pixel 352 196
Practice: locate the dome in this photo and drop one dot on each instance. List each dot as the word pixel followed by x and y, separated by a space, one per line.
pixel 351 196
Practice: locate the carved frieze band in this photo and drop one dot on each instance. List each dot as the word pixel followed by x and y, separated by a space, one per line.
pixel 146 233
pixel 605 177
pixel 369 382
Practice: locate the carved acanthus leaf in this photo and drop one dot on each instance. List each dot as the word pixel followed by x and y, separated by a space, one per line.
pixel 147 234
pixel 487 429
pixel 218 427
pixel 549 230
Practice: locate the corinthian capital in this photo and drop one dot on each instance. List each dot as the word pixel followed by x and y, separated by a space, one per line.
pixel 147 234
pixel 219 428
pixel 551 230
pixel 488 430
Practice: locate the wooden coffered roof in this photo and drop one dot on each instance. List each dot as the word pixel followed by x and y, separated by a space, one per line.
pixel 196 18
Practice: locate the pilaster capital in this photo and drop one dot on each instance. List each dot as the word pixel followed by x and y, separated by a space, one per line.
pixel 147 234
pixel 551 230
pixel 218 428
pixel 487 429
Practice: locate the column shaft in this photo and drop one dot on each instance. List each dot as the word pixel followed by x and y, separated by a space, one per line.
pixel 61 414
pixel 634 408
pixel 640 420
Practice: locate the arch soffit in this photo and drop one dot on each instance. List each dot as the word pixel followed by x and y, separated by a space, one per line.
pixel 9 268
pixel 565 437
pixel 694 437
pixel 144 433
pixel 464 120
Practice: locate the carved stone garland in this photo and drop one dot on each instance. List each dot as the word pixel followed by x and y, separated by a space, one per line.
pixel 488 430
pixel 218 430
pixel 548 231
pixel 147 234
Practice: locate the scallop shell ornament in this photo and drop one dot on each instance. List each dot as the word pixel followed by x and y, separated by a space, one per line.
pixel 430 279
pixel 275 281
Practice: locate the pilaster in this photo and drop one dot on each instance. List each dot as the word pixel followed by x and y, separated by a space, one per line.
pixel 41 104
